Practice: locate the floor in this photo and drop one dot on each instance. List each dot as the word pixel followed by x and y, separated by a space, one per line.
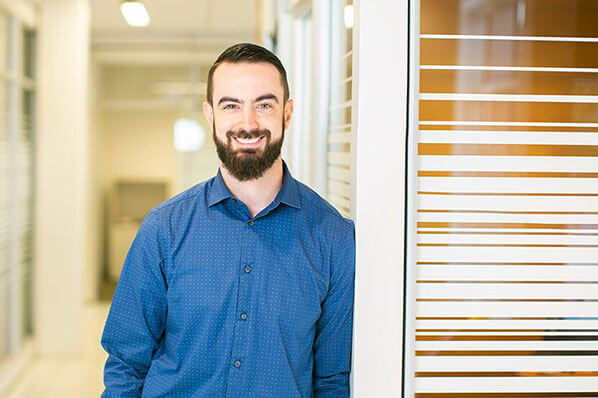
pixel 72 378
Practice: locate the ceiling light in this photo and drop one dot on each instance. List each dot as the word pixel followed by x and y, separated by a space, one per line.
pixel 189 136
pixel 135 13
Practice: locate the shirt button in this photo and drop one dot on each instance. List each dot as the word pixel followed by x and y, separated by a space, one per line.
pixel 237 363
pixel 243 316
pixel 250 223
pixel 247 269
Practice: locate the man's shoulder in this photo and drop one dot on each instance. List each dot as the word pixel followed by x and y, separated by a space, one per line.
pixel 320 209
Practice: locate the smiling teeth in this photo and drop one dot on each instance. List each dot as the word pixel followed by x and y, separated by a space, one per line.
pixel 248 140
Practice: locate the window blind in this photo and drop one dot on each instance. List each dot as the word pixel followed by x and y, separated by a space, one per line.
pixel 341 103
pixel 506 262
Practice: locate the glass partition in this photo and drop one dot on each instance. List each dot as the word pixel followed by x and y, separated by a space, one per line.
pixel 17 139
pixel 341 107
pixel 3 187
pixel 507 199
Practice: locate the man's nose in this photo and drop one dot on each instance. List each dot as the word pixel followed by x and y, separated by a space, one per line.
pixel 250 120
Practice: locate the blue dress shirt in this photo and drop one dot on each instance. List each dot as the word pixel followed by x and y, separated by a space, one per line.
pixel 212 302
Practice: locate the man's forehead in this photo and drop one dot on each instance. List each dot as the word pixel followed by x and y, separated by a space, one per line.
pixel 243 76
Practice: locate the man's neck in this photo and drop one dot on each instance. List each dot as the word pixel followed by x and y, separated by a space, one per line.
pixel 257 194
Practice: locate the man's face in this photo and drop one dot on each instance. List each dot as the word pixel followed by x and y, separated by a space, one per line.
pixel 248 117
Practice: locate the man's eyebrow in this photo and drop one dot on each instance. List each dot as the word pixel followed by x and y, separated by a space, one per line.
pixel 266 97
pixel 229 99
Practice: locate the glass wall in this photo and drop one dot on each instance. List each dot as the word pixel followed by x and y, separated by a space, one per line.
pixel 17 129
pixel 4 210
pixel 507 199
pixel 341 106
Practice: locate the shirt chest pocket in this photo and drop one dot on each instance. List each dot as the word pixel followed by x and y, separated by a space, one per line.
pixel 202 289
pixel 292 295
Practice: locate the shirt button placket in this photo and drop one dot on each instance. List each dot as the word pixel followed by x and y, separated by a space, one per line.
pixel 239 364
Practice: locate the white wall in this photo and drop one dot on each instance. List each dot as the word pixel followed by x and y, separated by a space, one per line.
pixel 62 175
pixel 94 216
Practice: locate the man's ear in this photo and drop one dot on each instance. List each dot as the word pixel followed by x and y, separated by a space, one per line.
pixel 208 112
pixel 288 113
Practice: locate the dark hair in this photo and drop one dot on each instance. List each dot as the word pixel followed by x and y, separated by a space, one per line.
pixel 251 53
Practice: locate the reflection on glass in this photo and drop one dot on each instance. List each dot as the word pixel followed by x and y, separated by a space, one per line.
pixel 510 17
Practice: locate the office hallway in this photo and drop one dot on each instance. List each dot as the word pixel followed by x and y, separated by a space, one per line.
pixel 69 377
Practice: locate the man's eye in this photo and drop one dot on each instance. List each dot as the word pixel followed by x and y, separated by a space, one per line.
pixel 229 107
pixel 264 106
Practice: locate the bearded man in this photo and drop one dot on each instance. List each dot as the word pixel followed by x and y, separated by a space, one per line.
pixel 241 286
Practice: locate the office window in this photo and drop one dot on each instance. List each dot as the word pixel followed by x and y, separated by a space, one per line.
pixel 341 105
pixel 17 132
pixel 506 267
pixel 4 147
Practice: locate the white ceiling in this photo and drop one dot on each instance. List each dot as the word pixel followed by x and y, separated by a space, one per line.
pixel 166 63
pixel 199 21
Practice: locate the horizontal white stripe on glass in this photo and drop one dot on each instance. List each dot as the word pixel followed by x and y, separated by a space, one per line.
pixel 508 68
pixel 339 188
pixel 593 99
pixel 497 238
pixel 515 124
pixel 347 55
pixel 529 363
pixel 513 254
pixel 502 309
pixel 346 126
pixel 339 138
pixel 481 385
pixel 515 38
pixel 510 137
pixel 339 174
pixel 559 291
pixel 339 158
pixel 507 185
pixel 570 219
pixel 510 273
pixel 529 345
pixel 343 81
pixel 340 201
pixel 548 326
pixel 508 163
pixel 341 105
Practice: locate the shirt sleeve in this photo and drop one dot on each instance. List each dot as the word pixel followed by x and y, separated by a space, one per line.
pixel 137 316
pixel 332 347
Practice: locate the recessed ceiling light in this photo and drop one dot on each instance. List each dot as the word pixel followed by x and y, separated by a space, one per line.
pixel 135 13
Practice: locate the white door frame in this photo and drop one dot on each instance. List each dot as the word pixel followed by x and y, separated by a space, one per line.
pixel 379 145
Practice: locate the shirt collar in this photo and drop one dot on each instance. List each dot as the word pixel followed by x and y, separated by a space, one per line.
pixel 288 194
pixel 218 191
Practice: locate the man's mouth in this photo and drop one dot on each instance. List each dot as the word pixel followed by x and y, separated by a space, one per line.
pixel 248 141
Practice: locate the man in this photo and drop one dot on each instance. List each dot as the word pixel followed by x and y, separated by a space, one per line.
pixel 241 286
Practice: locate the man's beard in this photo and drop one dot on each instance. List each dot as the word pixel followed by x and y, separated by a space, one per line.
pixel 247 164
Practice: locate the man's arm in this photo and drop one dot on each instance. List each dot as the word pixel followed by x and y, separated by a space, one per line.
pixel 137 315
pixel 332 347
